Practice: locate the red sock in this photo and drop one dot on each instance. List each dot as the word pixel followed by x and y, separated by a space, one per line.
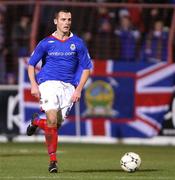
pixel 41 123
pixel 51 136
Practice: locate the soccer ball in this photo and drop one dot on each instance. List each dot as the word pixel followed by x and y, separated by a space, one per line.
pixel 130 162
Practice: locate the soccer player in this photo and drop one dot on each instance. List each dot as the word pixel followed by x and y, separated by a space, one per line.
pixel 64 56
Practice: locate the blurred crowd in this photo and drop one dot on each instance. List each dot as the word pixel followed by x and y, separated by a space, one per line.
pixel 121 34
pixel 14 43
pixel 130 35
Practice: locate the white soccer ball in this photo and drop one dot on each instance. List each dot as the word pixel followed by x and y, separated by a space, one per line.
pixel 130 162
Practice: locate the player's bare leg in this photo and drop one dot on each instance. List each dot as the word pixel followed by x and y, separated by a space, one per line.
pixel 59 119
pixel 37 122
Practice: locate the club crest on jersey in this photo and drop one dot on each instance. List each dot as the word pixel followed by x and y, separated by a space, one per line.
pixel 72 47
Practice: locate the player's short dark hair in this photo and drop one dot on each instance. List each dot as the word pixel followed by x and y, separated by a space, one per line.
pixel 62 10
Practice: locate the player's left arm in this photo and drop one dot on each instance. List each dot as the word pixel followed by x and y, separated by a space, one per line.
pixel 84 77
pixel 86 64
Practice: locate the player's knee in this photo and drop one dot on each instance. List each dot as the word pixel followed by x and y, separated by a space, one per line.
pixel 51 122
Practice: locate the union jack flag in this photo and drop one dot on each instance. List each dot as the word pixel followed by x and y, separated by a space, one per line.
pixel 142 94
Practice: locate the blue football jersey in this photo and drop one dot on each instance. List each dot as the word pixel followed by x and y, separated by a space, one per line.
pixel 61 60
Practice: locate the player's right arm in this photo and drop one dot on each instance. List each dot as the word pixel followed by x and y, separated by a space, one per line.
pixel 34 85
pixel 34 59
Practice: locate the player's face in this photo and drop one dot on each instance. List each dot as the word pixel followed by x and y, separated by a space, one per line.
pixel 63 22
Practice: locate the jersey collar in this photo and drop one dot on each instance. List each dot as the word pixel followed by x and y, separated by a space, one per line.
pixel 54 36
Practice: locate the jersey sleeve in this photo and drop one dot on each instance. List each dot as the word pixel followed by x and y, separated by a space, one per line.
pixel 37 54
pixel 84 57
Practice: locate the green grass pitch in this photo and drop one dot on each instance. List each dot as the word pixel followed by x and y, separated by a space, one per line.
pixel 85 162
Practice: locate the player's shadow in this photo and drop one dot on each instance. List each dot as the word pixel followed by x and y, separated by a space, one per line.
pixel 106 170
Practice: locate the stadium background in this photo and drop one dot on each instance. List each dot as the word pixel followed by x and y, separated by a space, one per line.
pixel 130 92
